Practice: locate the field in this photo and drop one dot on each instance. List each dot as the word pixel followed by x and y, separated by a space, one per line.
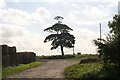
pixel 38 58
pixel 68 56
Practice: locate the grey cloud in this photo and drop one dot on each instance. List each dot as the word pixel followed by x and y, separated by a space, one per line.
pixel 9 31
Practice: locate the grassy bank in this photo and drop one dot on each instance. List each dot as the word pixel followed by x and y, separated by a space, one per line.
pixel 16 69
pixel 82 70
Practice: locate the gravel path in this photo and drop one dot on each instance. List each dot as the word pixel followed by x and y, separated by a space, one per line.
pixel 50 69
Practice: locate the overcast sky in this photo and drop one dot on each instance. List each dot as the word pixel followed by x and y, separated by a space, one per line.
pixel 22 22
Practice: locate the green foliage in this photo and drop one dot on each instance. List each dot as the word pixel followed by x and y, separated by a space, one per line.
pixel 109 48
pixel 89 70
pixel 114 25
pixel 62 37
pixel 16 69
pixel 111 72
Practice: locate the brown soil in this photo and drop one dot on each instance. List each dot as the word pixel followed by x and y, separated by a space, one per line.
pixel 50 69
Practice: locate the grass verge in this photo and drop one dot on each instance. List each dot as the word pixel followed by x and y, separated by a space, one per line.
pixel 82 70
pixel 16 69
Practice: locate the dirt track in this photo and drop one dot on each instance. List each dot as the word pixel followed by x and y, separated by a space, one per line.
pixel 50 69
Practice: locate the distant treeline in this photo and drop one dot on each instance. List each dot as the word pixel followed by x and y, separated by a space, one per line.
pixel 55 57
pixel 12 58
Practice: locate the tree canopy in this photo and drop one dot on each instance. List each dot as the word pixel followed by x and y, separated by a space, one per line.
pixel 62 28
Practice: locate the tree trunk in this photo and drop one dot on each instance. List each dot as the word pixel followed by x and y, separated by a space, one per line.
pixel 62 51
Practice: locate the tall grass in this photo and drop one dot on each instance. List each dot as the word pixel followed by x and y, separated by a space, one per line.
pixel 16 69
pixel 82 70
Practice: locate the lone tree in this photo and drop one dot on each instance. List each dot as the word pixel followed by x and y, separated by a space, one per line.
pixel 61 36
